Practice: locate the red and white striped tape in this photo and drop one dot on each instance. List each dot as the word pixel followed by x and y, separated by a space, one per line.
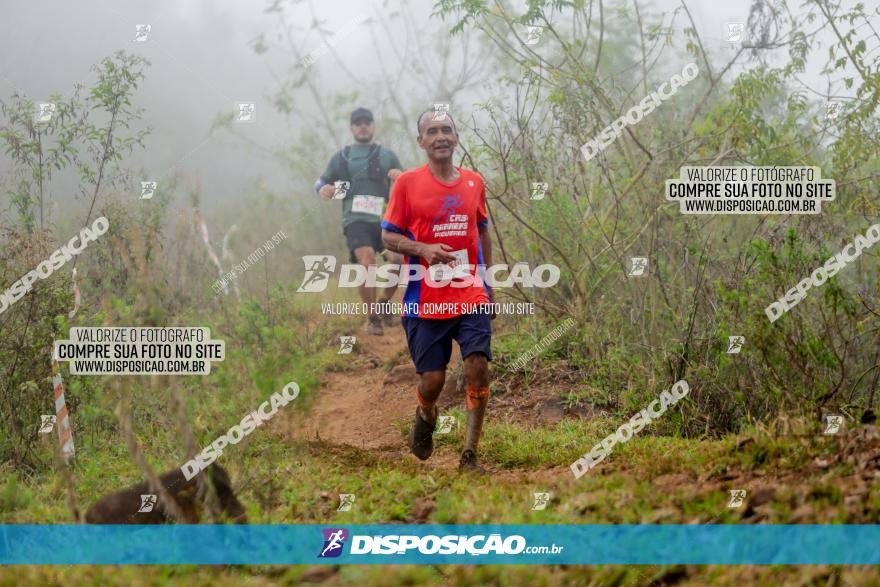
pixel 62 419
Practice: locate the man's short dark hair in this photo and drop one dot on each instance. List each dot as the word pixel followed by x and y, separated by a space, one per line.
pixel 419 121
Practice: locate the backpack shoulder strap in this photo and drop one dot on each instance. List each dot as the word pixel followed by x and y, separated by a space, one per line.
pixel 344 153
pixel 375 151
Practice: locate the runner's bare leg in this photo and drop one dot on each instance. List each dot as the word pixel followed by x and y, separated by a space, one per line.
pixel 430 386
pixel 476 370
pixel 366 256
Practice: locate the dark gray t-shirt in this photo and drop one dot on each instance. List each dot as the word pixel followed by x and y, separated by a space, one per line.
pixel 365 198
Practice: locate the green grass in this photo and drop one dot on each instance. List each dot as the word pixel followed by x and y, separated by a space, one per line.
pixel 284 481
pixel 308 476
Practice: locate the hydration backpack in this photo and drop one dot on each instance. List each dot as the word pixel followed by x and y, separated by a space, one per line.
pixel 374 167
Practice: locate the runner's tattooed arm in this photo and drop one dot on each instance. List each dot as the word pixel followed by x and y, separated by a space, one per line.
pixel 432 254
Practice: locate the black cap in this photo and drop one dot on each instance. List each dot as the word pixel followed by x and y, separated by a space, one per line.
pixel 360 114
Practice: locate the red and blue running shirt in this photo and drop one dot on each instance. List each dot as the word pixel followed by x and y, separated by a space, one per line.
pixel 430 211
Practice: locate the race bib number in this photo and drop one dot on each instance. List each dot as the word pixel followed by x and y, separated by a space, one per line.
pixel 454 269
pixel 368 205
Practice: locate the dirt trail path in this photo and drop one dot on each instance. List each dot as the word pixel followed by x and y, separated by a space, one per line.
pixel 372 404
pixel 371 407
pixel 362 407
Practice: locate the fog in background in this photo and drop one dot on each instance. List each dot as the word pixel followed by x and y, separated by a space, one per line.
pixel 203 62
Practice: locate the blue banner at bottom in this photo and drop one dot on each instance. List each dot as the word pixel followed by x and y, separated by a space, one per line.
pixel 485 544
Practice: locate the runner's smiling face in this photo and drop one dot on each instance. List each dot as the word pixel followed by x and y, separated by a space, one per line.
pixel 362 130
pixel 437 137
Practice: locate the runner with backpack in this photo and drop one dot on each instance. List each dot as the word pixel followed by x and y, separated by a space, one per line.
pixel 360 175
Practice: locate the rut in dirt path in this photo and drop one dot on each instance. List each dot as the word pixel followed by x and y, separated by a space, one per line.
pixel 361 407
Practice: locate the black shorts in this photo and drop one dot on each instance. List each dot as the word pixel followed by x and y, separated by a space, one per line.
pixel 430 341
pixel 363 234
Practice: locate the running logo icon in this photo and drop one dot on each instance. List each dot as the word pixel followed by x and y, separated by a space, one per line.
pixel 440 111
pixel 319 268
pixel 45 112
pixel 541 501
pixel 148 188
pixel 147 503
pixel 334 539
pixel 735 32
pixel 445 424
pixel 734 344
pixel 142 32
pixel 346 500
pixel 346 344
pixel 247 112
pixel 639 264
pixel 340 189
pixel 533 35
pixel 448 207
pixel 737 496
pixel 539 190
pixel 832 110
pixel 833 422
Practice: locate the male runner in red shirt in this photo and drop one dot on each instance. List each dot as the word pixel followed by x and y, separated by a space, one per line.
pixel 437 218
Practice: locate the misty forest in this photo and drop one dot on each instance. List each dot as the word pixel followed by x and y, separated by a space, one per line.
pixel 602 343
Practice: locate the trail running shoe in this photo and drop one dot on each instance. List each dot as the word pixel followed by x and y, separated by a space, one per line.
pixel 421 440
pixel 374 326
pixel 468 463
